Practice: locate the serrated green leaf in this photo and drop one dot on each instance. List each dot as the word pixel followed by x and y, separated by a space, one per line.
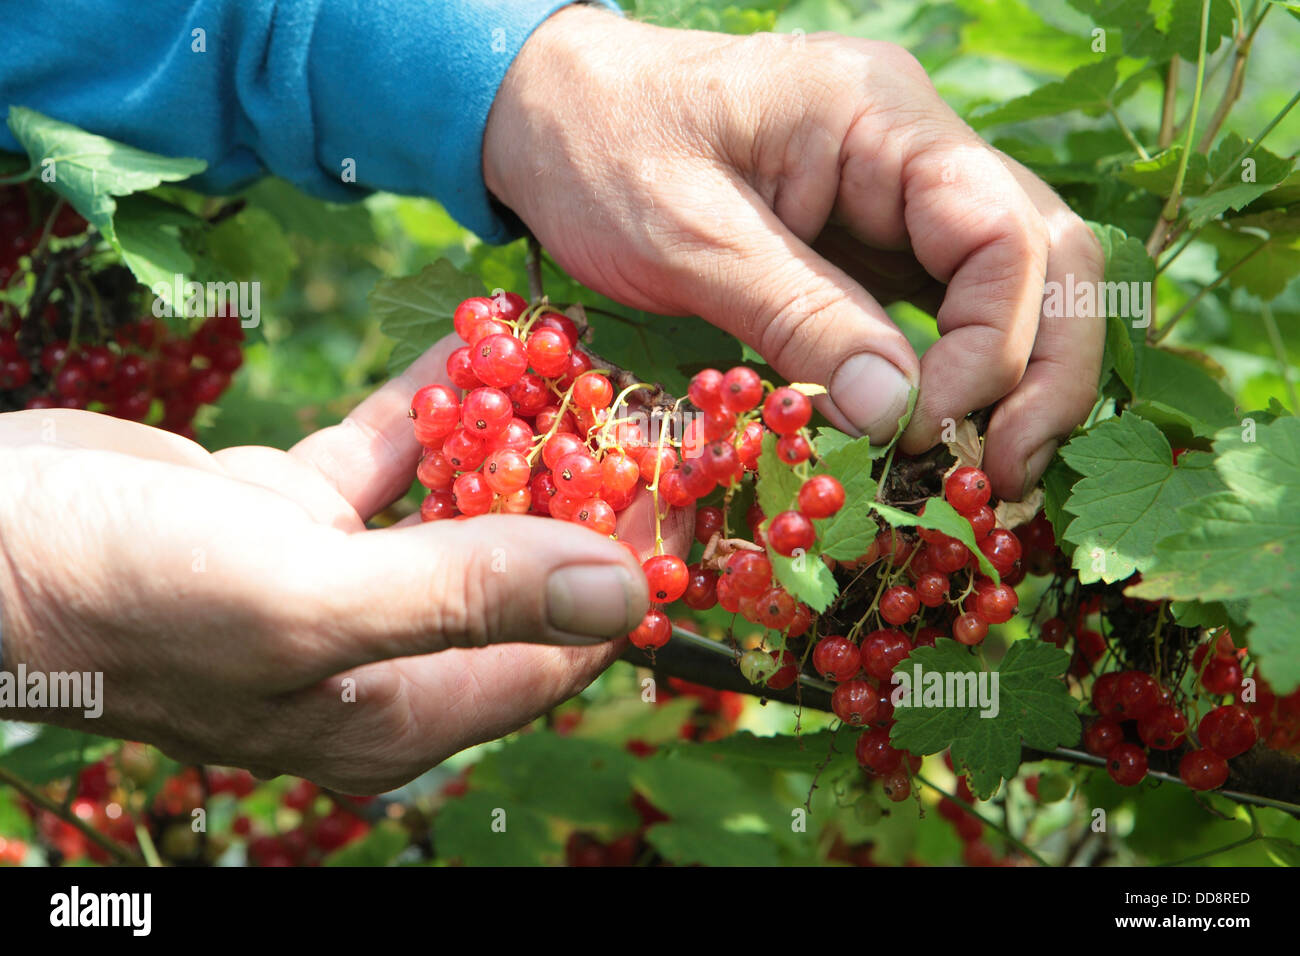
pixel 1087 88
pixel 1034 708
pixel 151 238
pixel 939 516
pixel 89 170
pixel 469 830
pixel 1012 30
pixel 828 440
pixel 416 310
pixel 1128 497
pixel 1157 174
pixel 849 532
pixel 778 485
pixel 806 577
pixel 380 847
pixel 1159 30
pixel 1253 529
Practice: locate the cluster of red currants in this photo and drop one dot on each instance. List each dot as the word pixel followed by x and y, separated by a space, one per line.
pixel 534 428
pixel 70 355
pixel 316 835
pixel 1135 712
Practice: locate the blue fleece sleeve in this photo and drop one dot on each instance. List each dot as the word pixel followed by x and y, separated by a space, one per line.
pixel 396 90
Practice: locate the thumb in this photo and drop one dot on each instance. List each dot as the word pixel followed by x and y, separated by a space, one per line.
pixel 416 590
pixel 810 320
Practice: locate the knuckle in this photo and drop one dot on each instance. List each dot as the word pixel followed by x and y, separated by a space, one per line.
pixel 464 610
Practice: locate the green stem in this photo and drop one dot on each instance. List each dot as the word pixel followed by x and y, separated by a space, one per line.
pixel 1191 303
pixel 1128 133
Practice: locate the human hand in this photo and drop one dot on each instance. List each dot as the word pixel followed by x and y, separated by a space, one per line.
pixel 227 597
pixel 783 188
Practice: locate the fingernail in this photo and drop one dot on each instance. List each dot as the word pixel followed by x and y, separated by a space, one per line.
pixel 593 600
pixel 871 393
pixel 1036 465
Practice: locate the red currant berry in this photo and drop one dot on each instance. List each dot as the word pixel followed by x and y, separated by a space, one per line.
pixel 434 471
pixel 436 505
pixel 1221 676
pixel 821 496
pixel 1002 548
pixel 1228 731
pixel 750 573
pixel 708 522
pixel 836 658
pixel 463 451
pixel 750 445
pixel 705 390
pixel 793 449
pixel 1136 695
pixel 969 629
pixel 560 323
pixel 854 702
pixel 506 471
pixel 789 532
pixel 932 588
pixel 702 589
pixel 1127 764
pixel 996 605
pixel 435 412
pixel 592 390
pixel 529 395
pixel 548 352
pixel 776 609
pixel 469 314
pixel 1102 735
pixel 667 576
pixel 460 369
pixel 967 490
pixel 899 604
pixel 577 475
pixel 1203 770
pixel 499 360
pixel 472 493
pixel 598 515
pixel 1163 728
pixel 786 411
pixel 721 462
pixel 882 651
pixel 741 390
pixel 875 752
pixel 653 631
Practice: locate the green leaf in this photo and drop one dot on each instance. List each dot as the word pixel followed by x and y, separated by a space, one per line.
pixel 1171 390
pixel 1244 543
pixel 416 310
pixel 717 817
pixel 1034 708
pixel 296 212
pixel 468 830
pixel 806 577
pixel 538 770
pixel 1244 180
pixel 380 847
pixel 1157 174
pixel 849 532
pixel 1011 30
pixel 1058 481
pixel 1273 260
pixel 778 485
pixel 828 440
pixel 1126 262
pixel 1283 852
pixel 55 753
pixel 252 247
pixel 1087 88
pixel 1128 497
pixel 1159 30
pixel 151 238
pixel 939 516
pixel 90 170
